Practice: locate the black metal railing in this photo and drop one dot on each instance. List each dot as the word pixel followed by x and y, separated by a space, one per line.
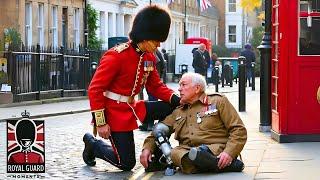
pixel 36 73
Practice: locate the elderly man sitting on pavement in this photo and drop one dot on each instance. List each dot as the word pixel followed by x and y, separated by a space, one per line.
pixel 210 132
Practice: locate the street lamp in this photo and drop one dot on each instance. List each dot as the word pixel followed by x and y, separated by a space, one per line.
pixel 185 33
pixel 94 66
pixel 265 70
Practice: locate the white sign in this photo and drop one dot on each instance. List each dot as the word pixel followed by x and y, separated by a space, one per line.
pixel 5 88
pixel 184 56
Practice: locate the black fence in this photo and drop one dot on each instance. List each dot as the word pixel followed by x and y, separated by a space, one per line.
pixel 40 73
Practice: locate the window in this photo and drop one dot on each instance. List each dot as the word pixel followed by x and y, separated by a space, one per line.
pixel 102 25
pixel 76 28
pixel 309 37
pixel 40 25
pixel 232 33
pixel 54 27
pixel 232 5
pixel 28 22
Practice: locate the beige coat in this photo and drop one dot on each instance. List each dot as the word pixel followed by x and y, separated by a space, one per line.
pixel 220 128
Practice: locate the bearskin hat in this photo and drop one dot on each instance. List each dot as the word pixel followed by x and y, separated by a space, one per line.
pixel 25 129
pixel 150 23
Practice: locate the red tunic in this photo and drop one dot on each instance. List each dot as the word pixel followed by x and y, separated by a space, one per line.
pixel 26 157
pixel 121 71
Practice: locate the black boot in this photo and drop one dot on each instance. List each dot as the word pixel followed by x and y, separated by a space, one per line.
pixel 87 154
pixel 203 159
pixel 156 163
pixel 206 161
pixel 235 166
pixel 143 127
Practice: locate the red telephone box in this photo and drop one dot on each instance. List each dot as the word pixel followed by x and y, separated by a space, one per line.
pixel 295 70
pixel 199 40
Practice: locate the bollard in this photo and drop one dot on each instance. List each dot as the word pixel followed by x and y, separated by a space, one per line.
pixel 242 84
pixel 253 81
pixel 216 76
pixel 231 82
pixel 38 71
pixel 164 77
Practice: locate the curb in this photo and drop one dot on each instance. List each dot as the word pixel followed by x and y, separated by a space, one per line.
pixel 43 101
pixel 48 115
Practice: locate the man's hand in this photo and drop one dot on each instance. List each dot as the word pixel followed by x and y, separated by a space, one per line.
pixel 145 157
pixel 225 160
pixel 104 131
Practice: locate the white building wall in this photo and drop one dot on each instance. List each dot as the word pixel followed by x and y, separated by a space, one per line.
pixel 235 18
pixel 117 19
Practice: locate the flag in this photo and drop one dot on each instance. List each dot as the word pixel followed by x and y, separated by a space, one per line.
pixel 204 4
pixel 170 1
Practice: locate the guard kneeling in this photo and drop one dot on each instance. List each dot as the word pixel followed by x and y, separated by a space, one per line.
pixel 210 132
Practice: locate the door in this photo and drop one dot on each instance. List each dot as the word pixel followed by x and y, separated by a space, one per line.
pixel 305 65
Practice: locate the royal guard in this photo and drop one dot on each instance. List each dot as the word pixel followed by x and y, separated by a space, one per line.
pixel 122 72
pixel 25 135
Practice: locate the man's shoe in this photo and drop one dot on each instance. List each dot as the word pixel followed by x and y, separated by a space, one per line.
pixel 203 160
pixel 87 154
pixel 143 127
pixel 235 166
pixel 146 127
pixel 155 165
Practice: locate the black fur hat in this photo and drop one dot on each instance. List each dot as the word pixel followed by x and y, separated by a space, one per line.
pixel 150 23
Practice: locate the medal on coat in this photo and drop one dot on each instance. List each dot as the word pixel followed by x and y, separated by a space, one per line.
pixel 199 120
pixel 212 108
pixel 145 67
pixel 148 66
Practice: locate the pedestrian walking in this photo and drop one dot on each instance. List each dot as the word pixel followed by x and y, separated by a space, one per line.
pixel 250 58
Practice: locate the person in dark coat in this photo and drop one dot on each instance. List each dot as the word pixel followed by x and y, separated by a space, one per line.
pixel 200 60
pixel 250 58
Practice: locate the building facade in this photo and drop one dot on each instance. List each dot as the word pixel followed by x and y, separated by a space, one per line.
pixel 236 25
pixel 116 16
pixel 197 23
pixel 52 23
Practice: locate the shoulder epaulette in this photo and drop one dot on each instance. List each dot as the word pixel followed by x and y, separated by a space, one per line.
pixel 121 47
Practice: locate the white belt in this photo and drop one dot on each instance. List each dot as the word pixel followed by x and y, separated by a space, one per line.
pixel 118 97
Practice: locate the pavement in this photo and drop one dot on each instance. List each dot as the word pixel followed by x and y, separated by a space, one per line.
pixel 264 158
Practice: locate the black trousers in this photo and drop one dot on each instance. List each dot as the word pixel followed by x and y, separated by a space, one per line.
pixel 121 152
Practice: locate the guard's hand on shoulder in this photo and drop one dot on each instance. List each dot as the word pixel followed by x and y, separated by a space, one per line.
pixel 104 131
pixel 175 101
